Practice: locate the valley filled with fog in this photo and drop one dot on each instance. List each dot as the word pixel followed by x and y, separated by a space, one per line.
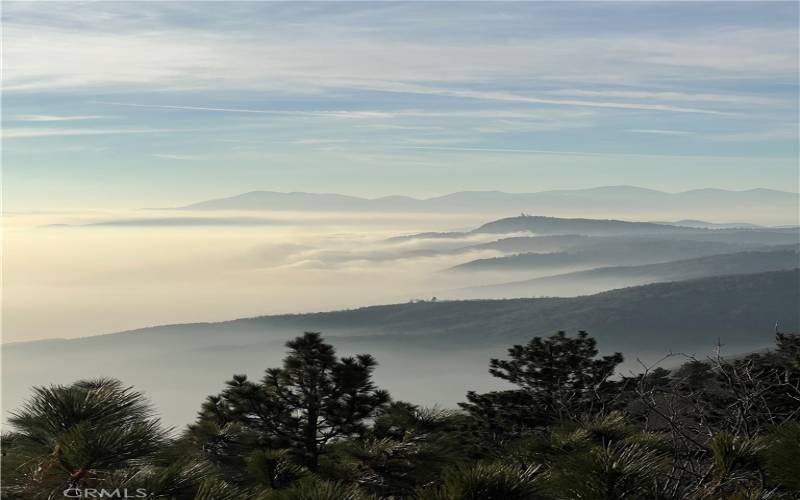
pixel 103 278
pixel 102 272
pixel 678 286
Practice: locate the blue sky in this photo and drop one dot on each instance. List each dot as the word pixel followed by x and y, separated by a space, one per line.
pixel 114 104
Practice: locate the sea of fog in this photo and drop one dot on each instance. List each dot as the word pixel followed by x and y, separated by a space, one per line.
pixel 77 274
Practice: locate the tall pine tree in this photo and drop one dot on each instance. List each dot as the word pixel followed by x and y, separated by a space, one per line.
pixel 313 399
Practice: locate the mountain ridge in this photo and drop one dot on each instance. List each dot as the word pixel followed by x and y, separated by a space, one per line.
pixel 709 203
pixel 615 189
pixel 389 311
pixel 450 342
pixel 747 262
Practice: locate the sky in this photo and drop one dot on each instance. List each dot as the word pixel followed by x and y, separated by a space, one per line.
pixel 127 105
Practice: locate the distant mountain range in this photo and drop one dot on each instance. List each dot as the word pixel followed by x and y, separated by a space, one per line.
pixel 760 203
pixel 429 351
pixel 595 280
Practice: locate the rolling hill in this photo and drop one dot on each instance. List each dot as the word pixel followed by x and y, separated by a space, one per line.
pixel 565 229
pixel 588 252
pixel 557 225
pixel 702 243
pixel 446 341
pixel 596 280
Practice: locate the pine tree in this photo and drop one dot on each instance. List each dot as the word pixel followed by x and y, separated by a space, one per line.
pixel 313 399
pixel 560 379
pixel 67 437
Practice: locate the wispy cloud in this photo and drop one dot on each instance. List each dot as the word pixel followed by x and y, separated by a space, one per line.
pixel 33 132
pixel 604 154
pixel 55 118
pixel 319 114
pixel 196 108
pixel 47 52
pixel 395 126
pixel 505 126
pixel 179 157
pixel 536 113
pixel 665 96
pixel 518 151
pixel 435 140
pixel 655 131
pixel 417 89
pixel 789 132
pixel 322 141
pixel 528 99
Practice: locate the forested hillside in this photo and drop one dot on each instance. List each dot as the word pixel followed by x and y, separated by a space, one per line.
pixel 448 340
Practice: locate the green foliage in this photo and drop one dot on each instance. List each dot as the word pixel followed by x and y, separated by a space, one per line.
pixel 560 378
pixel 320 490
pixel 319 429
pixel 406 447
pixel 732 453
pixel 218 489
pixel 273 468
pixel 313 399
pixel 781 455
pixel 602 458
pixel 493 481
pixel 548 367
pixel 606 472
pixel 69 436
